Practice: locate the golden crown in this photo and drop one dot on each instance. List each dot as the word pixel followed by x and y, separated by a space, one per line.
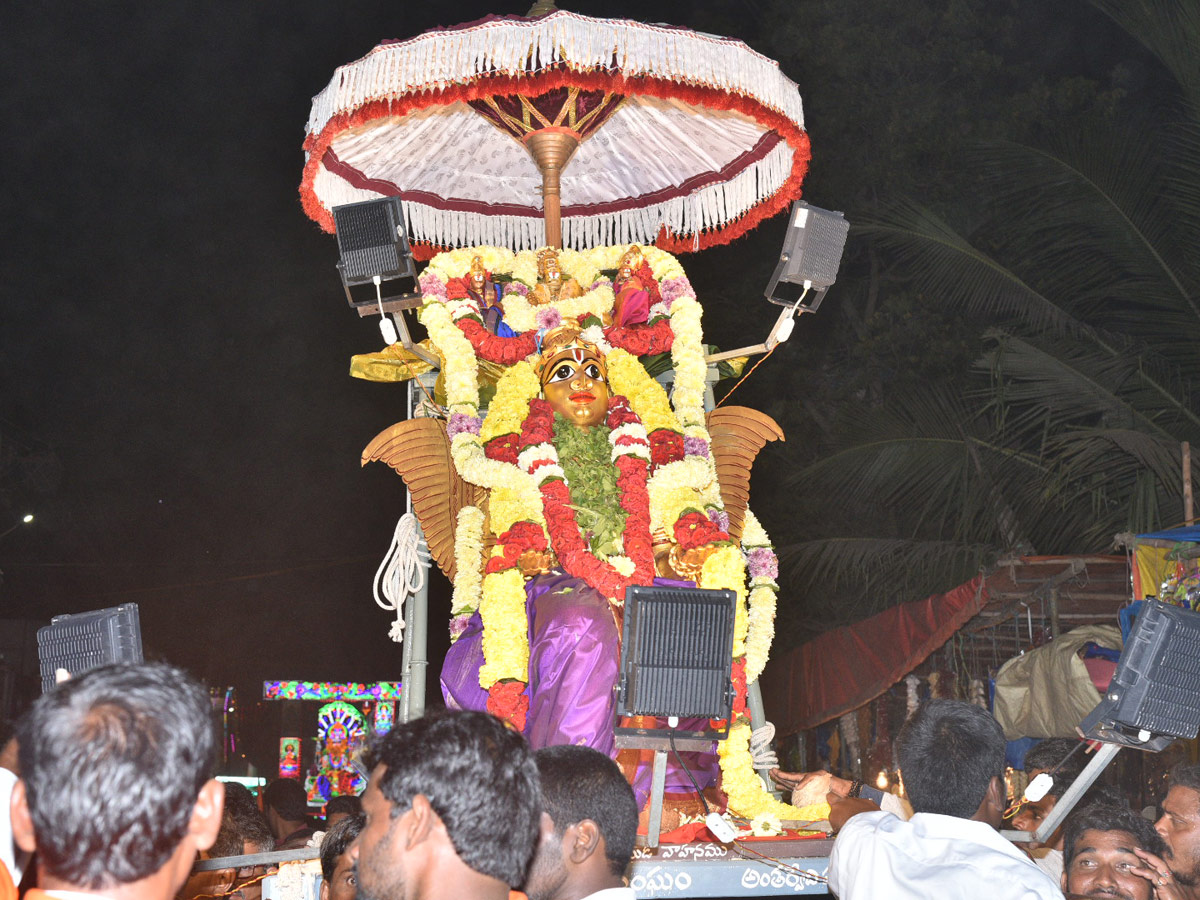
pixel 565 342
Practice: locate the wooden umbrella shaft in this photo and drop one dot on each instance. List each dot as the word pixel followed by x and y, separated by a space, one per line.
pixel 551 149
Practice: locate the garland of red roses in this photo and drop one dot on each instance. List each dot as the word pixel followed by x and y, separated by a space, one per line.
pixel 566 537
pixel 642 340
pixel 504 351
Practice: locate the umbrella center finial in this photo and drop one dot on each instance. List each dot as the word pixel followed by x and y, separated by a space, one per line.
pixel 541 8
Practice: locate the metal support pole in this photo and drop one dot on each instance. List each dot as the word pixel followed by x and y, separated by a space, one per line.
pixel 658 784
pixel 417 618
pixel 1070 797
pixel 758 718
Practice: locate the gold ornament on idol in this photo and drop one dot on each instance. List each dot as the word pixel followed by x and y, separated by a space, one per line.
pixel 573 376
pixel 553 285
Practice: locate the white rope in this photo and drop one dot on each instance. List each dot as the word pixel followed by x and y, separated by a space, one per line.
pixel 760 747
pixel 402 572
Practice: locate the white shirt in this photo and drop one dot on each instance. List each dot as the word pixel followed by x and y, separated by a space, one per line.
pixel 619 893
pixel 877 855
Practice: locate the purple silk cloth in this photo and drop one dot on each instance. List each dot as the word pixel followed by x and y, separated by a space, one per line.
pixel 573 657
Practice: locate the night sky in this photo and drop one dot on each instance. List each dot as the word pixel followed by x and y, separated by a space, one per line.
pixel 175 403
pixel 174 341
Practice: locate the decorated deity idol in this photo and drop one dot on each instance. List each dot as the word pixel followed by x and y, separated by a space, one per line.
pixel 552 284
pixel 580 479
pixel 634 288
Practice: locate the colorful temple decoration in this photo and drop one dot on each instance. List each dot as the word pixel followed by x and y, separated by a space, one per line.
pixel 341 733
pixel 289 757
pixel 385 716
pixel 331 690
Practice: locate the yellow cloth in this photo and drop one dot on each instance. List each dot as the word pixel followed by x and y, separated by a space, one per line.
pixel 1151 568
pixel 393 363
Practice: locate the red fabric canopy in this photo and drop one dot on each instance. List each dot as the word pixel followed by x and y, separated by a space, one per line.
pixel 847 667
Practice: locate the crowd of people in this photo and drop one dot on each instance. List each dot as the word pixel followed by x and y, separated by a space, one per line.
pixel 113 796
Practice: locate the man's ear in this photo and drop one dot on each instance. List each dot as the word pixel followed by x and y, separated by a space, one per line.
pixel 586 839
pixel 206 815
pixel 1063 881
pixel 22 821
pixel 422 820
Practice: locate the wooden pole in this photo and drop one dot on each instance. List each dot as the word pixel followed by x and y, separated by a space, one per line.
pixel 552 149
pixel 1187 482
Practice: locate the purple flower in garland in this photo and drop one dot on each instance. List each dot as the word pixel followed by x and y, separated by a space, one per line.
pixel 458 624
pixel 548 317
pixel 674 288
pixel 763 563
pixel 461 423
pixel 695 446
pixel 720 518
pixel 432 286
pixel 515 287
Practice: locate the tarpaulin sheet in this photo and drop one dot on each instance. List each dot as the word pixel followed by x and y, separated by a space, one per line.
pixel 847 667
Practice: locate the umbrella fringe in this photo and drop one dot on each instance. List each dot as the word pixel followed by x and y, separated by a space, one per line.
pixel 515 46
pixel 706 209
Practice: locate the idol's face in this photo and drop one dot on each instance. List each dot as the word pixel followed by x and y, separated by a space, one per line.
pixel 552 274
pixel 577 390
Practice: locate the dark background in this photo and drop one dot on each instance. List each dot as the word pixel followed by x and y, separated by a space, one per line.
pixel 174 343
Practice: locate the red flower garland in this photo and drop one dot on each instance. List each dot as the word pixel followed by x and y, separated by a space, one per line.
pixel 522 536
pixel 695 529
pixel 504 351
pixel 508 702
pixel 666 446
pixel 503 448
pixel 642 340
pixel 566 537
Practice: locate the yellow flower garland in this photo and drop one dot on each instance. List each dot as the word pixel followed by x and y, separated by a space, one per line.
pixel 510 406
pixel 628 377
pixel 468 561
pixel 676 488
pixel 505 628
pixel 725 569
pixel 744 788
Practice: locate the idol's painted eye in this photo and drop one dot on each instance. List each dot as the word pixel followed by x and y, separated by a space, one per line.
pixel 563 372
pixel 592 371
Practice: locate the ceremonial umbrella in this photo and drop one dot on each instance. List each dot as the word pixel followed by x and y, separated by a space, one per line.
pixel 672 137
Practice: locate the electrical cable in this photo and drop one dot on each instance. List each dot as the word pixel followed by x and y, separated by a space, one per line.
pixel 688 772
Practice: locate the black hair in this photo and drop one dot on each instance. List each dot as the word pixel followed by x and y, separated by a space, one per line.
pixel 343 803
pixel 949 751
pixel 581 783
pixel 1108 817
pixel 113 762
pixel 287 797
pixel 241 822
pixel 337 841
pixel 1183 775
pixel 1050 753
pixel 480 779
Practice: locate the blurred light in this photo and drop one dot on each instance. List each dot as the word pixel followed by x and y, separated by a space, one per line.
pixel 27 518
pixel 882 781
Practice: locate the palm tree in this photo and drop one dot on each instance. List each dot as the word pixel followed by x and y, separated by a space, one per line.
pixel 1083 280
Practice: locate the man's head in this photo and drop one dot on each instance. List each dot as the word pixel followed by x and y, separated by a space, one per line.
pixel 340 807
pixel 587 843
pixel 244 830
pixel 286 806
pixel 454 793
pixel 338 881
pixel 1098 858
pixel 1179 825
pixel 951 757
pixel 116 785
